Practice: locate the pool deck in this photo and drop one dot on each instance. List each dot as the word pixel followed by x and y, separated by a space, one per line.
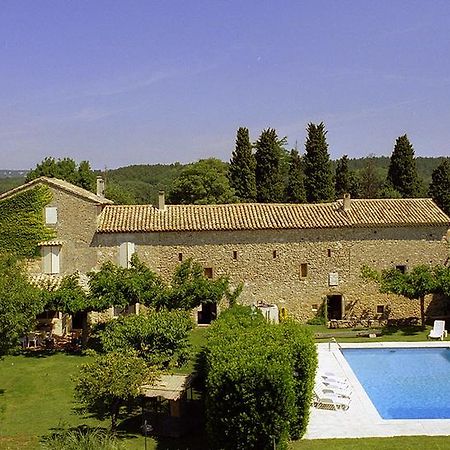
pixel 362 418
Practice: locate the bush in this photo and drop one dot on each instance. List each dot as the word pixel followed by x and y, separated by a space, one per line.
pixel 259 380
pixel 161 338
pixel 82 438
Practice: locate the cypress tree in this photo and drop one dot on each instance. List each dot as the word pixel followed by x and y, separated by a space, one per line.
pixel 241 172
pixel 295 189
pixel 343 177
pixel 269 177
pixel 317 165
pixel 402 173
pixel 440 186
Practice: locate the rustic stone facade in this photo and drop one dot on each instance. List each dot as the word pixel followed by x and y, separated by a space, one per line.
pixel 269 263
pixel 297 267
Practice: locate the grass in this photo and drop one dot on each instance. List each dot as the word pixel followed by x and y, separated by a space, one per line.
pixel 36 397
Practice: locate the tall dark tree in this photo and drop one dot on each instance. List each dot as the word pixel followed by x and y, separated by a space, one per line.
pixel 241 172
pixel 440 186
pixel 295 188
pixel 370 178
pixel 343 177
pixel 269 176
pixel 402 173
pixel 317 165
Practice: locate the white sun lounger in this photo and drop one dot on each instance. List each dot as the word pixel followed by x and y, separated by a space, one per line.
pixel 339 389
pixel 438 331
pixel 330 401
pixel 326 390
pixel 331 378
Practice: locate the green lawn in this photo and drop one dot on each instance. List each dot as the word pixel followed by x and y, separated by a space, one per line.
pixel 36 396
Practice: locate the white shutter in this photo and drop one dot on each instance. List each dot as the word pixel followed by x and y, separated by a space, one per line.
pixel 51 215
pixel 55 259
pixel 126 251
pixel 46 259
pixel 130 252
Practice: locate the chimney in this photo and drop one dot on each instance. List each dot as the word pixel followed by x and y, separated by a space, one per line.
pixel 161 201
pixel 346 202
pixel 100 187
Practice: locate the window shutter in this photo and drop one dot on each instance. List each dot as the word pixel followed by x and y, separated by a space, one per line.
pixel 47 259
pixel 55 259
pixel 51 215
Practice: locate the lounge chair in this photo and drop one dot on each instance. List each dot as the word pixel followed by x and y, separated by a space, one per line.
pixel 438 331
pixel 333 390
pixel 330 401
pixel 334 379
pixel 339 389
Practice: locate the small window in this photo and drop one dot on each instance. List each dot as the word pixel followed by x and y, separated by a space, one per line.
pixel 274 254
pixel 180 256
pixel 315 307
pixel 208 272
pixel 401 268
pixel 380 309
pixel 329 253
pixel 51 215
pixel 235 254
pixel 303 270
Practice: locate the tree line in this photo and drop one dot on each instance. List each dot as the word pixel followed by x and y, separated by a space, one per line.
pixel 266 171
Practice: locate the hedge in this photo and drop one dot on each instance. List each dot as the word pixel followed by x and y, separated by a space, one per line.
pixel 258 380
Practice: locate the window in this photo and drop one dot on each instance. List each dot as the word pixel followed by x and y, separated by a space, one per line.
pixel 380 309
pixel 208 272
pixel 180 256
pixel 50 258
pixel 401 268
pixel 329 253
pixel 235 254
pixel 315 307
pixel 126 251
pixel 303 270
pixel 51 215
pixel 274 254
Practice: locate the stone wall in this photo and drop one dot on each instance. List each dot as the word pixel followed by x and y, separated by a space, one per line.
pixel 269 263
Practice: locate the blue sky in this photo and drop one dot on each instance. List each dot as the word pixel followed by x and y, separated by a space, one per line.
pixel 129 82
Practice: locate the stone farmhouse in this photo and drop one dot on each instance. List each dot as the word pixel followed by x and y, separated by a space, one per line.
pixel 297 256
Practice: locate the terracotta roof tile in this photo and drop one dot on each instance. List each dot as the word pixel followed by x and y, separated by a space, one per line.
pixel 260 216
pixel 61 184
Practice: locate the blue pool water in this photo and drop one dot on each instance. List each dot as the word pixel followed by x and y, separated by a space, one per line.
pixel 404 383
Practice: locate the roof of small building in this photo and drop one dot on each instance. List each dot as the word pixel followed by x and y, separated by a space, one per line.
pixel 59 184
pixel 170 387
pixel 267 216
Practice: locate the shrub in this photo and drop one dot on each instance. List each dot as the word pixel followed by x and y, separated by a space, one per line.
pixel 82 438
pixel 161 338
pixel 259 380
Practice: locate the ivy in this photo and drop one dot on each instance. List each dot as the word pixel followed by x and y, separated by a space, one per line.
pixel 22 224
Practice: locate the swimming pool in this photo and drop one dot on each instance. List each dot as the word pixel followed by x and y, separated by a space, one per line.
pixel 404 383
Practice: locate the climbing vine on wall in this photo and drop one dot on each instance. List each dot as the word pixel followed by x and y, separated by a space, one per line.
pixel 22 224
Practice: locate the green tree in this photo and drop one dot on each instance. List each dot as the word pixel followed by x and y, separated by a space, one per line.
pixel 317 165
pixel 402 172
pixel 19 304
pixel 110 382
pixel 440 186
pixel 241 172
pixel 371 180
pixel 201 183
pixel 415 284
pixel 191 288
pixel 65 169
pixel 269 175
pixel 295 188
pixel 161 338
pixel 343 179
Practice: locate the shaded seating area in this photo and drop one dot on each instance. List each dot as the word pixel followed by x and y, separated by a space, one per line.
pixel 438 331
pixel 170 407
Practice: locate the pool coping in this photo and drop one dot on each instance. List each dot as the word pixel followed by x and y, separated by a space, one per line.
pixel 362 418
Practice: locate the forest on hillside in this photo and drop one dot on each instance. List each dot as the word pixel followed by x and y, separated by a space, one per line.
pixel 263 171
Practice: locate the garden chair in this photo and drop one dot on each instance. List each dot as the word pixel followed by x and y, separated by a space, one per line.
pixel 330 401
pixel 438 331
